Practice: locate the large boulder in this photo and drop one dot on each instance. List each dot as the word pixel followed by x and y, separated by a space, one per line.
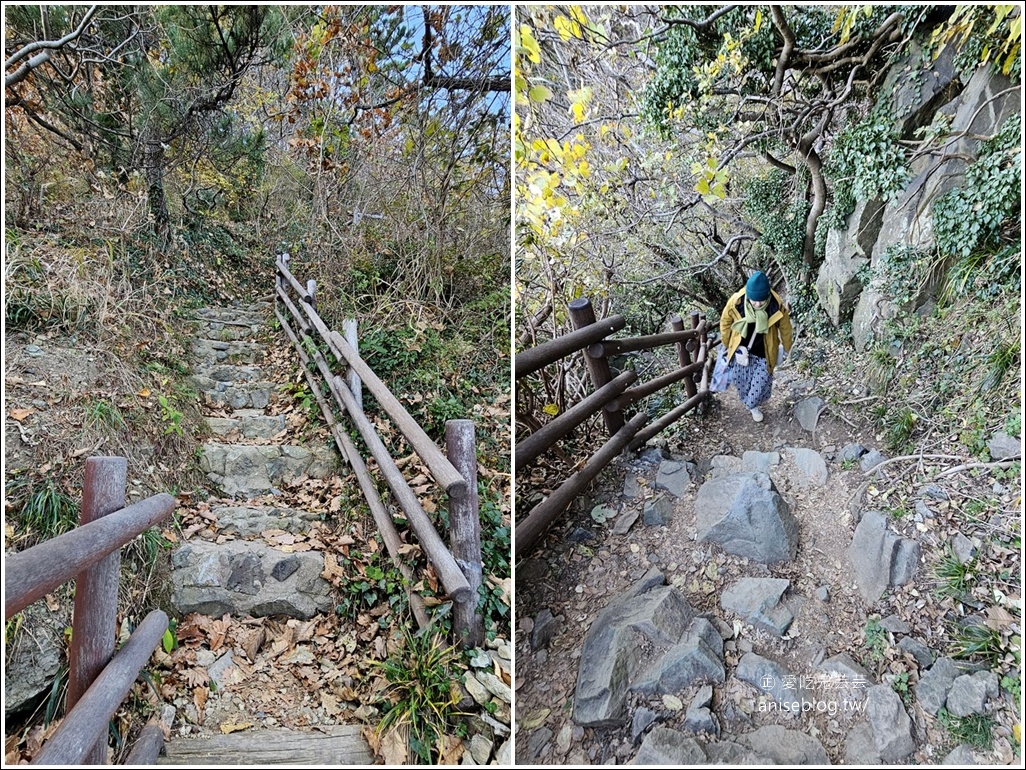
pixel 744 515
pixel 879 558
pixel 757 600
pixel 648 639
pixel 839 282
pixel 251 578
pixel 34 653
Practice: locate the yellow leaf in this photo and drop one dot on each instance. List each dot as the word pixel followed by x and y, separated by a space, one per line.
pixel 20 414
pixel 551 409
pixel 145 392
pixel 234 727
pixel 564 27
pixel 1017 733
pixel 529 45
pixel 536 719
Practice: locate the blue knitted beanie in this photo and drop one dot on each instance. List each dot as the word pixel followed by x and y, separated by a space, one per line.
pixel 758 287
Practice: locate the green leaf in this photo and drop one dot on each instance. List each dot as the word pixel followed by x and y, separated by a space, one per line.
pixel 539 94
pixel 529 45
pixel 168 641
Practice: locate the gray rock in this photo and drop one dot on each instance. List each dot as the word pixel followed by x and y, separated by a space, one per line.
pixel 837 284
pixel 480 749
pixel 33 656
pixel 658 512
pixel 625 521
pixel 759 462
pixel 895 625
pixel 477 690
pixel 961 756
pixel 880 558
pixel 703 698
pixel 724 465
pixel 744 515
pixel 823 594
pixel 934 492
pixel 786 747
pixel 631 487
pixel 495 686
pixel 923 510
pixel 770 677
pixel 969 693
pixel 504 756
pixel 652 455
pixel 890 723
pixel 807 411
pixel 812 468
pixel 622 641
pixel 860 748
pixel 220 668
pixel 757 600
pixel 643 717
pixel 963 548
pixel 674 477
pixel 538 740
pixel 922 654
pixel 701 720
pixel 932 689
pixel 545 627
pixel 726 752
pixel 695 659
pixel 848 681
pixel 252 520
pixel 851 452
pixel 871 459
pixel 663 746
pixel 580 535
pixel 34 351
pixel 285 569
pixel 214 579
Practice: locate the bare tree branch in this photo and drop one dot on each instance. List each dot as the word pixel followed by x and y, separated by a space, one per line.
pixel 44 46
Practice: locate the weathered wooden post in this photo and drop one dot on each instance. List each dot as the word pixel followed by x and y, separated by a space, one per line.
pixel 352 376
pixel 683 355
pixel 279 279
pixel 465 529
pixel 311 293
pixel 96 591
pixel 582 314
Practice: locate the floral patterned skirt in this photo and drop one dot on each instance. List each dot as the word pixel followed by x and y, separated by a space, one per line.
pixel 754 382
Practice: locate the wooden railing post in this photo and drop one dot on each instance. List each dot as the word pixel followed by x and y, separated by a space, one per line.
pixel 683 355
pixel 311 293
pixel 465 530
pixel 279 279
pixel 353 376
pixel 582 314
pixel 96 591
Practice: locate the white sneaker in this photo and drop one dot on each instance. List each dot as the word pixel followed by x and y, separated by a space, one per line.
pixel 757 414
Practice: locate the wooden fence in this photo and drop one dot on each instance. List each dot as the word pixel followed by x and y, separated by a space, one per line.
pixel 459 570
pixel 611 396
pixel 98 679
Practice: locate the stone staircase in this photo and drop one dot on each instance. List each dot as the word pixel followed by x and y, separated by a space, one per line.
pixel 235 566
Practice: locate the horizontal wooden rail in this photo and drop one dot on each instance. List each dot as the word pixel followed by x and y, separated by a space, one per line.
pixel 635 394
pixel 86 723
pixel 630 344
pixel 31 574
pixel 345 445
pixel 541 516
pixel 549 352
pixel 668 419
pixel 531 447
pixel 438 464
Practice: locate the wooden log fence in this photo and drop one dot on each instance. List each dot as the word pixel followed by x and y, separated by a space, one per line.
pixel 98 678
pixel 459 569
pixel 610 397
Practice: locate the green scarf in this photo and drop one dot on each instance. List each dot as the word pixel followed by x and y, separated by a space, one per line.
pixel 759 317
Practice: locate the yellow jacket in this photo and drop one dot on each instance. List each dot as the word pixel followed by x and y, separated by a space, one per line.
pixel 779 331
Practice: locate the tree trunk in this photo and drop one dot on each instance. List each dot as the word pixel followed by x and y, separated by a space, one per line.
pixel 153 167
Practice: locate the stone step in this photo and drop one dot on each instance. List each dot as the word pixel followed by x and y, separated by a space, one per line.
pixel 212 351
pixel 247 520
pixel 324 745
pixel 238 395
pixel 217 330
pixel 241 470
pixel 242 577
pixel 225 372
pixel 258 425
pixel 257 313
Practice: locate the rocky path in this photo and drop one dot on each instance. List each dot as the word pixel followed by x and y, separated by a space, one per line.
pixel 726 597
pixel 248 579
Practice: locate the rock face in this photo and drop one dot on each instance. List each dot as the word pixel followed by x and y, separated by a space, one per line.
pixel 744 515
pixel 663 746
pixel 890 723
pixel 786 747
pixel 880 558
pixel 33 658
pixel 244 577
pixel 847 251
pixel 647 639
